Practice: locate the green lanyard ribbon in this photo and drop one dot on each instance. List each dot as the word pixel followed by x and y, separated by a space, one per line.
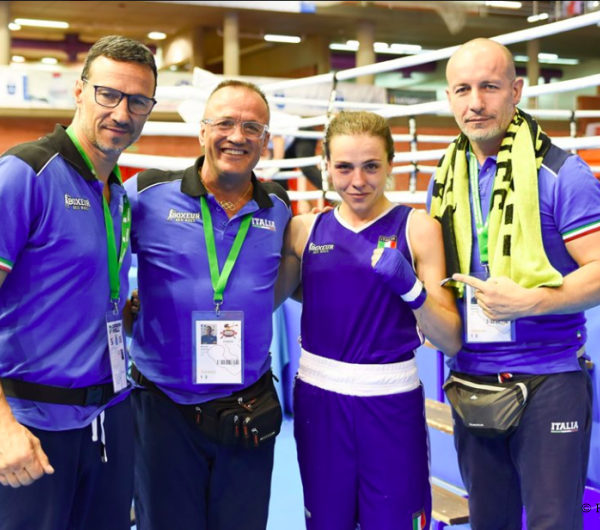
pixel 114 264
pixel 480 226
pixel 219 280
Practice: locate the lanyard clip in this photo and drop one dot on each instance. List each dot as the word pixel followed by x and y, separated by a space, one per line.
pixel 218 304
pixel 115 304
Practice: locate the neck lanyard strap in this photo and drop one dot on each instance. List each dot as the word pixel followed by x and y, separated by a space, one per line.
pixel 481 227
pixel 219 280
pixel 114 264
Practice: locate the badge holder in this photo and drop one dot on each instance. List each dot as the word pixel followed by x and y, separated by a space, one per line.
pixel 116 349
pixel 218 347
pixel 478 327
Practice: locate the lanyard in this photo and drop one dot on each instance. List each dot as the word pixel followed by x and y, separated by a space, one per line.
pixel 480 226
pixel 219 280
pixel 114 264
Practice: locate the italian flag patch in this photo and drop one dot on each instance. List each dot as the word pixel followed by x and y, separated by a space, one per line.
pixel 418 521
pixel 386 242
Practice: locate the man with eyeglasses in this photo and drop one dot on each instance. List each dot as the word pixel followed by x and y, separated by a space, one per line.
pixel 66 431
pixel 208 241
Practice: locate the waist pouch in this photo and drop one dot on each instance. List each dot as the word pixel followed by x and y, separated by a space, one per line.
pixel 487 407
pixel 248 417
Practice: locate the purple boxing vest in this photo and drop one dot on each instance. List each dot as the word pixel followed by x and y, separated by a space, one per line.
pixel 348 314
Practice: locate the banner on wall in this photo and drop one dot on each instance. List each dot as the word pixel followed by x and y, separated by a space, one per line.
pixel 12 87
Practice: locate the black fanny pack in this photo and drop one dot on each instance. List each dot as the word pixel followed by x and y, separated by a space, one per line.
pixel 248 417
pixel 488 407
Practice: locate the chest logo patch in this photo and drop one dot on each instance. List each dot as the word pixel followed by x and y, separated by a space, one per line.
pixel 320 249
pixel 77 203
pixel 265 224
pixel 183 217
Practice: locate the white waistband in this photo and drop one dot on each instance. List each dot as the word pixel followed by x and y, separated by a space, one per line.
pixel 358 379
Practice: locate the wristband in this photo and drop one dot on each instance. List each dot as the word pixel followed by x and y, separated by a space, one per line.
pixel 416 297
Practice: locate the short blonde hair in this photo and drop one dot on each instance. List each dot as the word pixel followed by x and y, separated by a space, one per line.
pixel 360 122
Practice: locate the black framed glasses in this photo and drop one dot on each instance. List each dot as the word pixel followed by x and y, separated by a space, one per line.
pixel 251 129
pixel 111 97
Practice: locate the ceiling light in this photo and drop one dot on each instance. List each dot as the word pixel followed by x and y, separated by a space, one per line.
pixel 49 60
pixel 562 60
pixel 505 5
pixel 17 59
pixel 42 23
pixel 13 26
pixel 338 46
pixel 157 35
pixel 271 37
pixel 395 48
pixel 538 17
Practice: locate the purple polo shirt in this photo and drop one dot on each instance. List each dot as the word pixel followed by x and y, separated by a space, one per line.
pixel 569 208
pixel 174 277
pixel 55 296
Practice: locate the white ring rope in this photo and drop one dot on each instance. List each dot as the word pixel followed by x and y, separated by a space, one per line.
pixel 290 162
pixel 180 129
pixel 406 197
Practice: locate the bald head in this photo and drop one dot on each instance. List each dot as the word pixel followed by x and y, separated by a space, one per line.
pixel 483 92
pixel 483 49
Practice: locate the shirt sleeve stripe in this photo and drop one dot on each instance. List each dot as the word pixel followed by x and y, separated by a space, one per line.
pixel 6 265
pixel 581 231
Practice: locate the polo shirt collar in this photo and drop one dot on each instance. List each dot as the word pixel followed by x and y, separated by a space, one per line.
pixel 62 143
pixel 192 185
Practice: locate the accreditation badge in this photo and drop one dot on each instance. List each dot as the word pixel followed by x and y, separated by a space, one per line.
pixel 479 328
pixel 116 350
pixel 218 347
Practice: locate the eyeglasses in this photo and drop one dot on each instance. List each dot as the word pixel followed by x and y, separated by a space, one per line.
pixel 251 129
pixel 111 97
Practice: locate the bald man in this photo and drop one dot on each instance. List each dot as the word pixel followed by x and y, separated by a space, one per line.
pixel 521 224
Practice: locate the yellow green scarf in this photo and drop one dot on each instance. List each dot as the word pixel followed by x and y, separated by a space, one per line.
pixel 515 246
